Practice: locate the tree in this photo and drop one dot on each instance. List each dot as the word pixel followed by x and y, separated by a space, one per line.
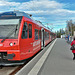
pixel 70 28
pixel 60 32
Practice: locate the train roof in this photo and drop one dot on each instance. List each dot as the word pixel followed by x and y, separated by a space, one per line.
pixel 14 13
pixel 19 13
pixel 42 25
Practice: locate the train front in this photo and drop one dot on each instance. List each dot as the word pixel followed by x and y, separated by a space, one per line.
pixel 9 45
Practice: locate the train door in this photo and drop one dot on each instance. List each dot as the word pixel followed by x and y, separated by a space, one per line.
pixel 42 38
pixel 30 46
pixel 26 43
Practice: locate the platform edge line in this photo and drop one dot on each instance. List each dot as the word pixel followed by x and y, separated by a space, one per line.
pixel 35 70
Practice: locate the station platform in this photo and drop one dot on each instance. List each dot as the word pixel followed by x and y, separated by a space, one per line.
pixel 57 62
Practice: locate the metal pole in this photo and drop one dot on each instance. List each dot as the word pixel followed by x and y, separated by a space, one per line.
pixel 71 29
pixel 71 26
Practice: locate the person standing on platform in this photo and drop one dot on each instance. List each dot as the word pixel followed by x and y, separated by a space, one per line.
pixel 73 51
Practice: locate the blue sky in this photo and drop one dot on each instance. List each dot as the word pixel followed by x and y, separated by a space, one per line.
pixel 53 12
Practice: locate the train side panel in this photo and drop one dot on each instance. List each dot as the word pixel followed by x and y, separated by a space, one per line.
pixel 28 45
pixel 37 39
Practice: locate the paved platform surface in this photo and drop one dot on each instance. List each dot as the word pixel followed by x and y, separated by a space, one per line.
pixel 59 61
pixel 27 69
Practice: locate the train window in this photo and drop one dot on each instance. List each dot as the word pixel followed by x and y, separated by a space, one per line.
pixel 36 34
pixel 30 31
pixel 46 36
pixel 24 31
pixel 39 34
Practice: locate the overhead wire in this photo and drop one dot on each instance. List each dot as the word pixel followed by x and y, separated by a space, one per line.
pixel 42 17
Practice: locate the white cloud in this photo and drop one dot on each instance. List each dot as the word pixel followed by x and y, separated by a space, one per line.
pixel 45 11
pixel 41 5
pixel 5 3
pixel 45 8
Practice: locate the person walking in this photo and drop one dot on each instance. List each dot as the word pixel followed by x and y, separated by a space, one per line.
pixel 73 51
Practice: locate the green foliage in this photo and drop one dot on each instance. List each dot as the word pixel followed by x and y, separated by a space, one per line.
pixel 60 32
pixel 70 27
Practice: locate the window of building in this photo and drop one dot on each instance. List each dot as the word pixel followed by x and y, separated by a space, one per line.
pixel 30 31
pixel 36 34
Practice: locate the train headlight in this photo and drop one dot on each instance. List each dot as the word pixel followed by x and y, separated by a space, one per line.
pixel 11 44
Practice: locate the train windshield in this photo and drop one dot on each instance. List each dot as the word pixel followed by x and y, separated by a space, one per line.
pixel 9 28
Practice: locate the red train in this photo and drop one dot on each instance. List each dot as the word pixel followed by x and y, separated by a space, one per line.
pixel 21 37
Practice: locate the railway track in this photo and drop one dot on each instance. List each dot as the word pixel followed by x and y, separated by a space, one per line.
pixel 7 70
pixel 11 70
